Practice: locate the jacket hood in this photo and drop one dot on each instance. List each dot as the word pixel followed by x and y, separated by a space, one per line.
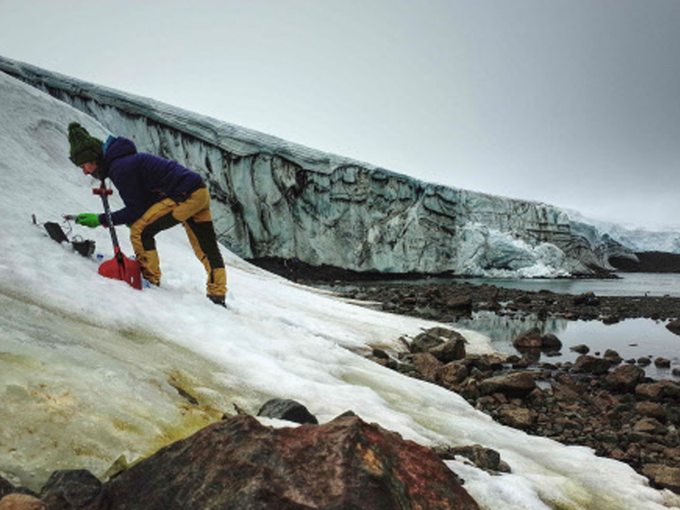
pixel 118 148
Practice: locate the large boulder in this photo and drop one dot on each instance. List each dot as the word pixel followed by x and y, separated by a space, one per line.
pixel 239 464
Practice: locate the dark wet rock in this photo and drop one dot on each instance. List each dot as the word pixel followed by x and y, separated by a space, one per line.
pixel 587 299
pixel 238 464
pixel 426 365
pixel 5 487
pixel 432 338
pixel 674 326
pixel 528 340
pixel 662 363
pixel 517 384
pixel 73 490
pixel 663 476
pixel 612 356
pixel 612 319
pixel 451 350
pixel 644 361
pixel 460 304
pixel 487 363
pixel 529 358
pixel 380 354
pixel 591 365
pixel 581 349
pixel 290 410
pixel 625 378
pixel 550 342
pixel 484 458
pixel 676 372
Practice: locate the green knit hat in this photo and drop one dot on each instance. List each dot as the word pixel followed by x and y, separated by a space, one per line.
pixel 84 148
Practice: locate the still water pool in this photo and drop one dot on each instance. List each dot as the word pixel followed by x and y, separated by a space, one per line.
pixel 632 338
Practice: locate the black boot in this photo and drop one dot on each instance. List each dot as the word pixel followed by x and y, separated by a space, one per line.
pixel 218 300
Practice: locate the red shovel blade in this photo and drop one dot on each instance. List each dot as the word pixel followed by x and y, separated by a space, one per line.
pixel 126 270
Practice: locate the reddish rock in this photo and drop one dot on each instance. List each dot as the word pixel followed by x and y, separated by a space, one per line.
pixel 452 374
pixel 528 340
pixel 625 378
pixel 426 365
pixel 591 365
pixel 517 417
pixel 651 410
pixel 658 391
pixel 21 502
pixel 239 464
pixel 663 476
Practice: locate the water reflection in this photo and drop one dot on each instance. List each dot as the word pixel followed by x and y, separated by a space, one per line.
pixel 632 338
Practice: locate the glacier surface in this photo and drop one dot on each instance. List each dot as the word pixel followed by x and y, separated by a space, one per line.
pixel 273 198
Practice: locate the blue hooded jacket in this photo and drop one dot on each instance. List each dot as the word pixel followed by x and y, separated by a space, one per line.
pixel 143 179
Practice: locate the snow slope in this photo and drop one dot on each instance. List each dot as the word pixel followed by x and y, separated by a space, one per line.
pixel 89 368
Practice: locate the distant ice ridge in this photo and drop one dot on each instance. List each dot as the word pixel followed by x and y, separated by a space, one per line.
pixel 636 238
pixel 273 198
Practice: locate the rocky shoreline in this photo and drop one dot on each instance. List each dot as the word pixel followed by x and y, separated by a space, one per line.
pixel 600 401
pixel 446 302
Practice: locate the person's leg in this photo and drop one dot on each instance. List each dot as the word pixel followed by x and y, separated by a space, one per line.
pixel 194 213
pixel 142 232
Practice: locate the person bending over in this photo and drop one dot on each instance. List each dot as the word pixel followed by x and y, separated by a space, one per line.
pixel 158 194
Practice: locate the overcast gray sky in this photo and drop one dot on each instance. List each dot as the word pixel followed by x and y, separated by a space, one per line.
pixel 571 102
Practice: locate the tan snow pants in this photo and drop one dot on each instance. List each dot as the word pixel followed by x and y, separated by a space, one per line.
pixel 194 214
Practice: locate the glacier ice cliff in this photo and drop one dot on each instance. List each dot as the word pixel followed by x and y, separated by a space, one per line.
pixel 273 198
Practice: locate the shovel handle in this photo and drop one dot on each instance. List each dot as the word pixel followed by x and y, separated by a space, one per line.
pixel 102 191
